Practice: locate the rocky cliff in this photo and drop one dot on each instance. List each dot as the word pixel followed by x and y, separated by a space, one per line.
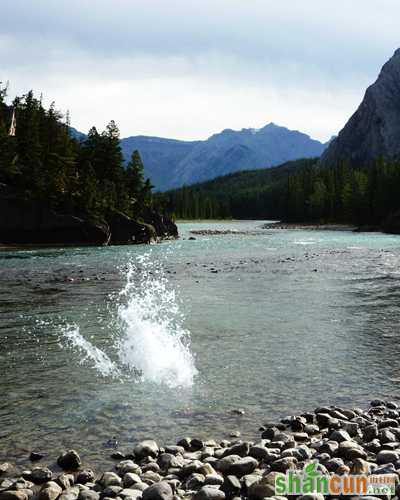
pixel 374 129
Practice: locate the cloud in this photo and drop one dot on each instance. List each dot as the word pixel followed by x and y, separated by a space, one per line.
pixel 187 69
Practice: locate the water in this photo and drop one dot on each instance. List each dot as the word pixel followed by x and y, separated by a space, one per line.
pixel 168 340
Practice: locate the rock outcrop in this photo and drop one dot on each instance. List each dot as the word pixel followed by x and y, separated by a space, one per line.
pixel 374 129
pixel 35 223
pixel 125 230
pixel 30 222
pixel 392 224
pixel 163 225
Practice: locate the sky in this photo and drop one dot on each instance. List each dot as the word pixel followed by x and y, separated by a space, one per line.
pixel 188 69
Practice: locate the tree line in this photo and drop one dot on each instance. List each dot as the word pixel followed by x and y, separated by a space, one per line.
pixel 45 162
pixel 299 191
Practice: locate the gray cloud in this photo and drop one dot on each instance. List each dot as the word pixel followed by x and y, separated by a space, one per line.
pixel 188 68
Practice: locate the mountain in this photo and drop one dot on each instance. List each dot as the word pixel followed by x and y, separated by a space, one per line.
pixel 160 156
pixel 374 129
pixel 173 163
pixel 74 133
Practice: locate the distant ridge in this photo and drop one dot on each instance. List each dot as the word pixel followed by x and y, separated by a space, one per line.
pixel 172 163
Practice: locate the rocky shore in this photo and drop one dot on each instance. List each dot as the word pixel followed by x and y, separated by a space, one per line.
pixel 310 227
pixel 340 441
pixel 34 223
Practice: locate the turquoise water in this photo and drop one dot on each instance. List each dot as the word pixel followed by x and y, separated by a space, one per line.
pixel 271 322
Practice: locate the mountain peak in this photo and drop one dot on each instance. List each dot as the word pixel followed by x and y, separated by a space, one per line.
pixel 374 129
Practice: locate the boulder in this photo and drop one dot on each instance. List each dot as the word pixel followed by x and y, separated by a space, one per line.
pixel 209 493
pixel 236 466
pixel 158 491
pixel 41 475
pixel 125 230
pixel 51 491
pixel 146 448
pixel 163 225
pixel 69 460
pixel 13 495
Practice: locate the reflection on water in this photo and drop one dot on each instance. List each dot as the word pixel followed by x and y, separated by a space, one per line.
pixel 279 321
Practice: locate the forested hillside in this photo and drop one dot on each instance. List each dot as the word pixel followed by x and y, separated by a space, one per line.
pixel 296 192
pixel 43 165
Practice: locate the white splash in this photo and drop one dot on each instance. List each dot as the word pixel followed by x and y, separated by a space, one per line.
pixel 89 352
pixel 154 341
pixel 149 339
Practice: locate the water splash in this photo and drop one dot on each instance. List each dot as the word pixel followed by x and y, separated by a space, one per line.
pixel 147 332
pixel 90 353
pixel 154 340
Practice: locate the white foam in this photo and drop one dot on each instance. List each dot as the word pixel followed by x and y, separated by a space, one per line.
pixel 153 339
pixel 148 332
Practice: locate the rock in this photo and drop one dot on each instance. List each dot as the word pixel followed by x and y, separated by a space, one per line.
pixel 263 487
pixel 111 491
pixel 351 427
pixel 65 481
pixel 333 464
pixel 231 486
pixel 387 457
pixel 196 444
pixel 70 494
pixel 150 477
pixel 85 476
pixel 50 491
pixel 372 131
pixel 13 495
pixel 125 230
pixel 110 479
pixel 241 449
pixel 151 466
pixel 69 460
pixel 370 432
pixel 35 456
pixel 130 478
pixel 88 495
pixel 209 493
pixel 386 436
pixel 349 450
pixel 378 402
pixel 360 466
pixel 236 466
pixel 339 436
pixel 284 464
pixel 329 447
pixel 164 226
pixel 195 481
pixel 147 448
pixel 4 467
pixel 41 475
pixel 259 452
pixel 128 493
pixel 213 479
pixel 33 222
pixel 127 466
pixel 158 491
pixel 325 420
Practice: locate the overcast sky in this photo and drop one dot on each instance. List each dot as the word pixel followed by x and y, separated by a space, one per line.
pixel 189 68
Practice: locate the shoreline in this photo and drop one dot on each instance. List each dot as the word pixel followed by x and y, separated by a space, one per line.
pixel 340 441
pixel 321 227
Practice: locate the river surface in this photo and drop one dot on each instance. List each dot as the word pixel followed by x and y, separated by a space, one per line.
pixel 169 340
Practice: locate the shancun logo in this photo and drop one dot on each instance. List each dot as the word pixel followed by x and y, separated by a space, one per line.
pixel 310 480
